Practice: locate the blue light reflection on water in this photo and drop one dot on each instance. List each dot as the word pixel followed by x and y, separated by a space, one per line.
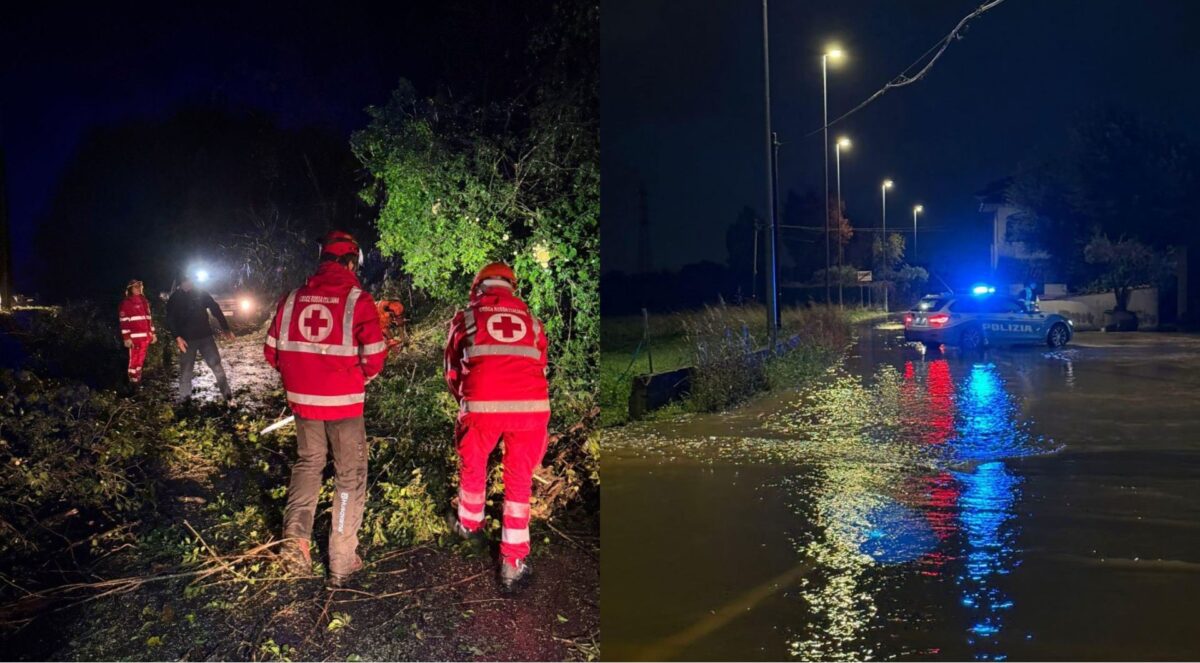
pixel 988 432
pixel 986 509
pixel 977 504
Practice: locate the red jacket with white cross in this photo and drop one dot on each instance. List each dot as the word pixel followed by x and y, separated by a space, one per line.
pixel 496 358
pixel 326 343
pixel 136 325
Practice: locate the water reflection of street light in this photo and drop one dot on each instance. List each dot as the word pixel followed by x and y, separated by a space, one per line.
pixel 841 142
pixel 836 54
pixel 917 209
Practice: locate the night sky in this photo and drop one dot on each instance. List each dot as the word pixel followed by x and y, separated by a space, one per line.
pixel 69 68
pixel 682 113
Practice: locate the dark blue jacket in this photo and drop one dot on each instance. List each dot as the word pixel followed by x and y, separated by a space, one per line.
pixel 187 314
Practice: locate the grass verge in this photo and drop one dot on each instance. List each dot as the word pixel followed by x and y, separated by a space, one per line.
pixel 717 340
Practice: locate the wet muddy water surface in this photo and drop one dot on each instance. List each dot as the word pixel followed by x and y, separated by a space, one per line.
pixel 1017 504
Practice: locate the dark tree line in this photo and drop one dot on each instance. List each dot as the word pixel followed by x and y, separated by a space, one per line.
pixel 147 199
pixel 1120 178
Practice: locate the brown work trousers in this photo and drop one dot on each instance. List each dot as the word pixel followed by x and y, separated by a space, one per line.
pixel 348 440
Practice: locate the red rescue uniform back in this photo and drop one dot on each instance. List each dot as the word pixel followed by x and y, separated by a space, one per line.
pixel 327 344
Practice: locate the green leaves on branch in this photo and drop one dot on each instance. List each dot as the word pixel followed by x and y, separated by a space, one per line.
pixel 459 186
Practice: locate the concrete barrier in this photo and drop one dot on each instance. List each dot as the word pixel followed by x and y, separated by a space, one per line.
pixel 654 390
pixel 1087 311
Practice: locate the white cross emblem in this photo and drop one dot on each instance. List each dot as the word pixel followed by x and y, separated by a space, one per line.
pixel 316 323
pixel 506 328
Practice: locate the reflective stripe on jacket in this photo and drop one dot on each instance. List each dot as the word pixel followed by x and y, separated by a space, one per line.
pixel 134 316
pixel 326 343
pixel 496 358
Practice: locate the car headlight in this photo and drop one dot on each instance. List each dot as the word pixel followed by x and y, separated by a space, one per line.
pixel 246 304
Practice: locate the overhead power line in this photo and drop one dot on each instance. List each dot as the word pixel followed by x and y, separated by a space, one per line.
pixel 903 78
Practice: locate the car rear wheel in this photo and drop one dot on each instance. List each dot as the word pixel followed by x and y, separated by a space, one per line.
pixel 1058 336
pixel 971 339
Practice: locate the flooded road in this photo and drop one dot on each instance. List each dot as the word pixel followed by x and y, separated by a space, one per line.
pixel 1021 504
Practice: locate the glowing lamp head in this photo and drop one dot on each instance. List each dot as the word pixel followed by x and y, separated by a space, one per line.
pixel 843 142
pixel 887 184
pixel 834 53
pixel 919 208
pixel 201 275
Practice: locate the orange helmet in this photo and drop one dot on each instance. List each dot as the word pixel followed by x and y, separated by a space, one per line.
pixel 339 243
pixel 495 270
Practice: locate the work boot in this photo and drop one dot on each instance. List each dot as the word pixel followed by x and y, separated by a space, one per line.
pixel 514 573
pixel 461 531
pixel 295 558
pixel 339 580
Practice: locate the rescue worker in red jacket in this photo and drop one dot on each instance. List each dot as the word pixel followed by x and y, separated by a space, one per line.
pixel 326 343
pixel 496 369
pixel 137 329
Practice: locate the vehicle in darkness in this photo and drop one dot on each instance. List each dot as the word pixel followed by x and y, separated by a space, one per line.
pixel 242 307
pixel 239 306
pixel 981 319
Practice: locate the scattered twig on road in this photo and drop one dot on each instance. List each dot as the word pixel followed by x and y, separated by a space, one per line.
pixel 214 556
pixel 414 590
pixel 571 541
pixel 13 613
pixel 395 554
pixel 475 601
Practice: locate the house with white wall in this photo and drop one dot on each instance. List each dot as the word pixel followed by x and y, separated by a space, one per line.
pixel 1011 259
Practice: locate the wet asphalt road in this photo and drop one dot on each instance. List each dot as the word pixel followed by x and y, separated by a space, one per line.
pixel 1019 504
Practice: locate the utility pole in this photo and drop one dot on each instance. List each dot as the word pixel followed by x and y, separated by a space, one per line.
pixel 775 210
pixel 644 260
pixel 773 225
pixel 6 269
pixel 754 270
pixel 825 162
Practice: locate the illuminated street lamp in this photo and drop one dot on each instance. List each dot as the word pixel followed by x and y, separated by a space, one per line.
pixel 834 53
pixel 917 209
pixel 887 184
pixel 842 142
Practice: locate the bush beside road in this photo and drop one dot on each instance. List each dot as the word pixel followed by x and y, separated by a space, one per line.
pixel 727 334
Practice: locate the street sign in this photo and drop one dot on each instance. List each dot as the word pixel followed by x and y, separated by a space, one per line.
pixel 863 277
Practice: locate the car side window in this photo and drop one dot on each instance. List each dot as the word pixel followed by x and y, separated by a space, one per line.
pixel 965 306
pixel 1003 305
pixel 1013 306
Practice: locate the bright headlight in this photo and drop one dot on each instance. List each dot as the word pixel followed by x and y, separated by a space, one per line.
pixel 247 304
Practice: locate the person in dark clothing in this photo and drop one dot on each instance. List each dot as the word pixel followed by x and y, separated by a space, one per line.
pixel 1029 295
pixel 187 318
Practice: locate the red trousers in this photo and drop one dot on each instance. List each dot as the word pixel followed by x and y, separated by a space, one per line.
pixel 523 451
pixel 137 357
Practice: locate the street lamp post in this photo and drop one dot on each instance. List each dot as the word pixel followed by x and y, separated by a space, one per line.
pixel 887 184
pixel 841 142
pixel 831 53
pixel 917 209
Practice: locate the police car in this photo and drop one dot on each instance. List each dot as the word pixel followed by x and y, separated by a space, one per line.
pixel 983 318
